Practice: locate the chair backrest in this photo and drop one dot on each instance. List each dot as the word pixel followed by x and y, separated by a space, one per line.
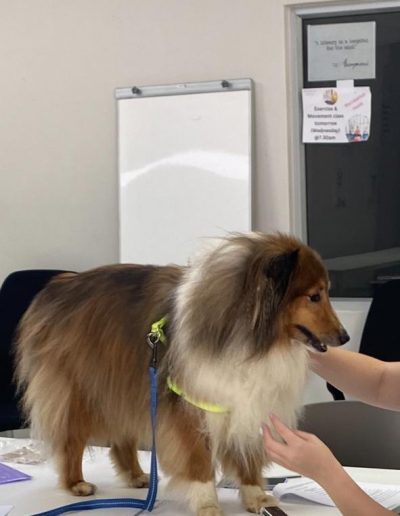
pixel 381 333
pixel 358 434
pixel 16 294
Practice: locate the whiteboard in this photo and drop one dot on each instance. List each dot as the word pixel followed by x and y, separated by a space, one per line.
pixel 184 161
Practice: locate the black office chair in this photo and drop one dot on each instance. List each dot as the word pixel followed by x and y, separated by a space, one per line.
pixel 381 333
pixel 16 294
pixel 358 434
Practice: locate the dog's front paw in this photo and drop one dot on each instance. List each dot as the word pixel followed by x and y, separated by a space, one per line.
pixel 254 498
pixel 140 481
pixel 210 511
pixel 83 488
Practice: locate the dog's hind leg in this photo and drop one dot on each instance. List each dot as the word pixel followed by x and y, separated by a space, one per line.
pixel 69 438
pixel 124 457
pixel 248 474
pixel 69 458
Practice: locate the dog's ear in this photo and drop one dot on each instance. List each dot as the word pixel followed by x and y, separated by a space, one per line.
pixel 279 271
pixel 272 284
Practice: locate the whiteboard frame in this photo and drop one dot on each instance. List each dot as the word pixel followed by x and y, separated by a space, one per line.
pixel 187 88
pixel 184 88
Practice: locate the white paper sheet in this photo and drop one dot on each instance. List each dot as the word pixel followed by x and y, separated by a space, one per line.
pixel 5 509
pixel 336 115
pixel 341 51
pixel 302 489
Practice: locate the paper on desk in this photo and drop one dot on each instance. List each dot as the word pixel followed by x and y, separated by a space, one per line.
pixel 9 474
pixel 302 489
pixel 5 509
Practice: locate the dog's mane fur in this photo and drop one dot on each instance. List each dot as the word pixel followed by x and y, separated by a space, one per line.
pixel 82 356
pixel 232 305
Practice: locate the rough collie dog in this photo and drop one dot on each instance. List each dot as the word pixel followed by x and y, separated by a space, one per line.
pixel 240 319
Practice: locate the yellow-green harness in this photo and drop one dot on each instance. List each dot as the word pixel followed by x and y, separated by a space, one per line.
pixel 157 331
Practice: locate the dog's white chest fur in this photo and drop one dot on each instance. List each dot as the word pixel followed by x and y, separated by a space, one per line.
pixel 250 389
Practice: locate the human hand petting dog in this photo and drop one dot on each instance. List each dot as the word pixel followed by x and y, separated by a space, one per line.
pixel 300 451
pixel 306 454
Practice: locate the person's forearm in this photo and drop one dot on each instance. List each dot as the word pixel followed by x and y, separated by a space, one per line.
pixel 360 376
pixel 348 497
pixel 355 374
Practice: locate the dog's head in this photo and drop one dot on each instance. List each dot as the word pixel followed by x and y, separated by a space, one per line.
pixel 258 289
pixel 287 286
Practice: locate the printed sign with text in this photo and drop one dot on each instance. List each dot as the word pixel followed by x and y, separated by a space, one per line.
pixel 341 51
pixel 336 115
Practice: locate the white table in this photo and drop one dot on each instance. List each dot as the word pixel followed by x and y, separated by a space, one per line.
pixel 42 493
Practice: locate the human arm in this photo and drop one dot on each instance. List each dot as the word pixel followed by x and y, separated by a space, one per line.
pixel 360 376
pixel 306 454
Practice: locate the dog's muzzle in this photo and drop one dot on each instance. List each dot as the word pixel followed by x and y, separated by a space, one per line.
pixel 312 339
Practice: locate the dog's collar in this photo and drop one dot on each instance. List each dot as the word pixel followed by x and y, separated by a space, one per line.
pixel 208 407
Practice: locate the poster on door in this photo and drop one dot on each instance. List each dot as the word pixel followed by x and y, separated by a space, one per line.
pixel 341 51
pixel 336 115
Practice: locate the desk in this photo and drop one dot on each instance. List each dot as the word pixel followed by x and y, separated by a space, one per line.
pixel 41 493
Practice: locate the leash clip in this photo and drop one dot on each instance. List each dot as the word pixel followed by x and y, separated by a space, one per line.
pixel 153 338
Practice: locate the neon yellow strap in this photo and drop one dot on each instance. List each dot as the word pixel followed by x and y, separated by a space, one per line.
pixel 209 407
pixel 157 328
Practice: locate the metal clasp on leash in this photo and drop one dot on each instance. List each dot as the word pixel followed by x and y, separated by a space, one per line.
pixel 152 339
pixel 155 336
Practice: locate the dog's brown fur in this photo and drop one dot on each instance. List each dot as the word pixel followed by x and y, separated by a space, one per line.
pixel 82 361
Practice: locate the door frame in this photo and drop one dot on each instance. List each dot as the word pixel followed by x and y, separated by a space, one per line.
pixel 294 17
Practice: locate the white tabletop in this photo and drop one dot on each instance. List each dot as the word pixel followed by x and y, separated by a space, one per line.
pixel 42 493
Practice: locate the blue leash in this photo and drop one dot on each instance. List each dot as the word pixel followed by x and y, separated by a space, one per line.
pixel 148 503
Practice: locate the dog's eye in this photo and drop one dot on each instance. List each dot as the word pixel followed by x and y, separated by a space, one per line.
pixel 315 298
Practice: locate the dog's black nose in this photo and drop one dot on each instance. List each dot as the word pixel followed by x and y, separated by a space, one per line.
pixel 343 336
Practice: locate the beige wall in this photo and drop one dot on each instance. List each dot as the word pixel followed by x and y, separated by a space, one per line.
pixel 60 63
